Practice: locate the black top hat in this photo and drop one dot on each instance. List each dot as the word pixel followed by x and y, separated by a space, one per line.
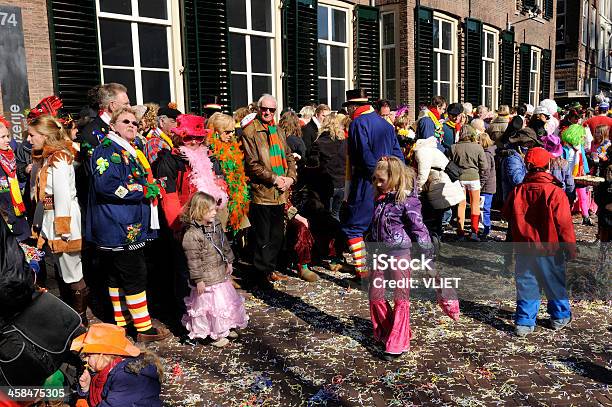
pixel 211 103
pixel 455 109
pixel 169 111
pixel 356 97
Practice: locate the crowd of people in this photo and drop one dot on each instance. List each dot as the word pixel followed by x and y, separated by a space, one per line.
pixel 130 203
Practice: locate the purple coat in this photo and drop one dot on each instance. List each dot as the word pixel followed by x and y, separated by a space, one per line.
pixel 398 224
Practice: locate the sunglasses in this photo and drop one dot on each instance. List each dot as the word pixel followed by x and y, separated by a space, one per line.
pixel 267 109
pixel 192 139
pixel 229 132
pixel 126 121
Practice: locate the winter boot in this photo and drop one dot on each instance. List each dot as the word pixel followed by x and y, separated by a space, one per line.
pixel 80 294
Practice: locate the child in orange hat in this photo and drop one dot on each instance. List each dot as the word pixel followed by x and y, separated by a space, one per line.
pixel 123 375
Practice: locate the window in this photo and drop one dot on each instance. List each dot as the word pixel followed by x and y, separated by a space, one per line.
pixel 489 68
pixel 593 31
pixel 333 51
pixel 534 77
pixel 445 48
pixel 585 21
pixel 136 48
pixel 561 21
pixel 559 86
pixel 389 72
pixel 251 29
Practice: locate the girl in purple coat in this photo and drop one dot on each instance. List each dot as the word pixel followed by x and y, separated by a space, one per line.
pixel 397 223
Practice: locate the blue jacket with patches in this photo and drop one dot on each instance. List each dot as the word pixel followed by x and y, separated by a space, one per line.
pixel 118 214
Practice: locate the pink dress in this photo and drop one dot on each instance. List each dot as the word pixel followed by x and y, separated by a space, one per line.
pixel 219 309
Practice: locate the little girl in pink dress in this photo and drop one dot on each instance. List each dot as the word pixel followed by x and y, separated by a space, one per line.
pixel 214 308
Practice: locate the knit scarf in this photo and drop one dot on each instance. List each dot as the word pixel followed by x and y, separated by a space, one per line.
pixel 278 161
pixel 362 110
pixel 439 131
pixel 144 163
pixel 98 381
pixel 455 126
pixel 9 165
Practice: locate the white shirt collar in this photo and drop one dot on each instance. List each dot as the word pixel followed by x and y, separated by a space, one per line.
pixel 314 119
pixel 106 118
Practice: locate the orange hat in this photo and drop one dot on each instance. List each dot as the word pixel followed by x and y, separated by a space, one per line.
pixel 106 339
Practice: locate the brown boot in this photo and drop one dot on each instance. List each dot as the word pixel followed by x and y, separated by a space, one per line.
pixel 80 293
pixel 154 334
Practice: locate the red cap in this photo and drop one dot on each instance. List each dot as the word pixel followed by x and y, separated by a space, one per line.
pixel 538 157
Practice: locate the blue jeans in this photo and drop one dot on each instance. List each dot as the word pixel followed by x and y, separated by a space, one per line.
pixel 447 216
pixel 486 212
pixel 335 202
pixel 533 273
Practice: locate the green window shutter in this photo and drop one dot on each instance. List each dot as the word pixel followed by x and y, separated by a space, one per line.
pixel 300 53
pixel 506 68
pixel 548 9
pixel 424 56
pixel 367 50
pixel 473 61
pixel 206 52
pixel 545 68
pixel 525 60
pixel 74 50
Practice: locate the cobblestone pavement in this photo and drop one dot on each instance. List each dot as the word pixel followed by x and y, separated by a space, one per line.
pixel 311 344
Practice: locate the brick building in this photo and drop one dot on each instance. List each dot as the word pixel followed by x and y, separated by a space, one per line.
pixel 478 51
pixel 583 66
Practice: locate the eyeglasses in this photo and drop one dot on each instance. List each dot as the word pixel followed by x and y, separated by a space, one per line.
pixel 229 131
pixel 126 121
pixel 266 109
pixel 193 139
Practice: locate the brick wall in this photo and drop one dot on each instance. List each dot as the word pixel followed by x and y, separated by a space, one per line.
pixel 497 14
pixel 38 50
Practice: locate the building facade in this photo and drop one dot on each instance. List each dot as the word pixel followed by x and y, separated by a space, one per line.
pixel 482 52
pixel 583 67
pixel 302 51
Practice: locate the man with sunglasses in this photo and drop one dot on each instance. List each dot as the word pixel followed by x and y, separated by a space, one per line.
pixel 270 166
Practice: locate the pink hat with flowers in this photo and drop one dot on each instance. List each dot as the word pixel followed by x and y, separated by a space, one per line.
pixel 552 144
pixel 190 125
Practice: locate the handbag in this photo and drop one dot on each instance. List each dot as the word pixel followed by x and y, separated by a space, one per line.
pixel 37 341
pixel 452 170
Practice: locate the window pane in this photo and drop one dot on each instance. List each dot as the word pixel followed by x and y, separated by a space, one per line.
pixel 390 90
pixel 436 33
pixel 445 90
pixel 534 61
pixel 116 6
pixel 322 60
pixel 388 29
pixel 490 46
pixel 116 37
pixel 323 91
pixel 261 85
pixel 260 55
pixel 153 46
pixel 339 25
pixel 488 73
pixel 337 94
pixel 156 87
pixel 124 77
pixel 389 61
pixel 153 9
pixel 237 13
pixel 560 6
pixel 239 91
pixel 238 52
pixel 488 98
pixel 435 69
pixel 322 22
pixel 533 81
pixel 445 67
pixel 447 29
pixel 336 59
pixel 261 15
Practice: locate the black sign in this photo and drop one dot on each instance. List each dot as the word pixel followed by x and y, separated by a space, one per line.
pixel 13 72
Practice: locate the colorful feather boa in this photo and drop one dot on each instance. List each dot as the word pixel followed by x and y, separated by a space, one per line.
pixel 202 176
pixel 232 163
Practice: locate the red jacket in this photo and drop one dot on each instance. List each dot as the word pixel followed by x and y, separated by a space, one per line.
pixel 538 211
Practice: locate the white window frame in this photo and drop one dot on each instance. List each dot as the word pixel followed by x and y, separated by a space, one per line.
pixel 328 78
pixel 438 19
pixel 383 48
pixel 248 33
pixel 534 95
pixel 134 20
pixel 495 69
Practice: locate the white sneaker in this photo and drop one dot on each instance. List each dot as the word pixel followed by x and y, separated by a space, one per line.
pixel 219 343
pixel 232 335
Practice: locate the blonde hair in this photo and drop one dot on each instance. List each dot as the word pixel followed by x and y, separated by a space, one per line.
pixel 219 122
pixel 120 111
pixel 478 124
pixel 485 141
pixel 332 124
pixel 197 207
pixel 400 178
pixel 307 112
pixel 468 133
pixel 290 124
pixel 52 129
pixel 402 122
pixel 601 131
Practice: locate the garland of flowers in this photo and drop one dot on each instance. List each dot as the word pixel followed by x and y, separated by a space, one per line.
pixel 231 159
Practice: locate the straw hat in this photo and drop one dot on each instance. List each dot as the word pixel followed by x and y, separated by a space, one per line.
pixel 107 339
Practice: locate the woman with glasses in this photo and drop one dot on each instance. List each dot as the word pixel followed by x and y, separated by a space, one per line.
pixel 122 216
